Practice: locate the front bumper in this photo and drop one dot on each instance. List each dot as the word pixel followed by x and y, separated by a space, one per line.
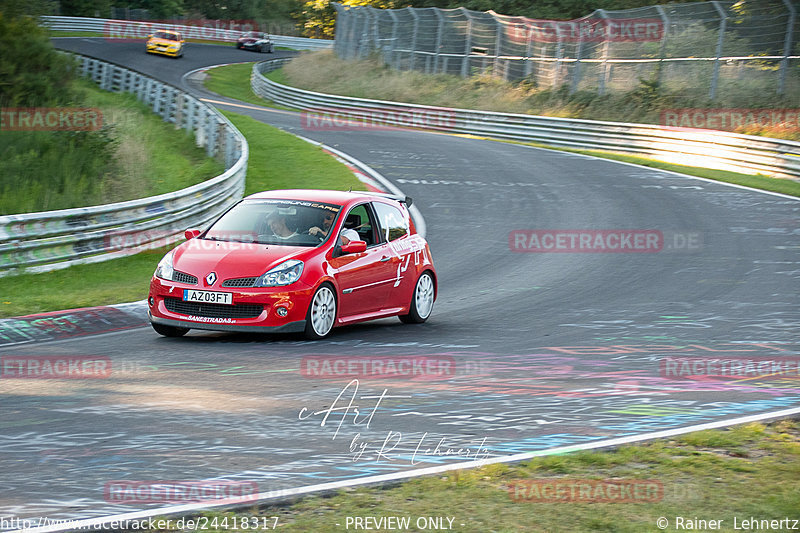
pixel 260 304
pixel 292 327
pixel 155 49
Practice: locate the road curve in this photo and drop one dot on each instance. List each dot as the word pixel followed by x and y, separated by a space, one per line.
pixel 547 349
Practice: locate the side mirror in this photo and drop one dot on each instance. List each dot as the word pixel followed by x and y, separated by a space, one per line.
pixel 150 36
pixel 191 233
pixel 354 247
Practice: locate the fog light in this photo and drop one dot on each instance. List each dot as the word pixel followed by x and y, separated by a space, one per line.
pixel 152 302
pixel 282 311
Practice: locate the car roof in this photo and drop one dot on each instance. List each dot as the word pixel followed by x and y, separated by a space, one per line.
pixel 318 195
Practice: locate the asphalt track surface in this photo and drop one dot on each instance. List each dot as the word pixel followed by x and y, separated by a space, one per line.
pixel 549 349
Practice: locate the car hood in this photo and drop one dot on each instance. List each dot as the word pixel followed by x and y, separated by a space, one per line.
pixel 249 40
pixel 199 257
pixel 165 42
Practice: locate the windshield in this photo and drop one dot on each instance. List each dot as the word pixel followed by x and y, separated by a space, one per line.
pixel 279 222
pixel 166 35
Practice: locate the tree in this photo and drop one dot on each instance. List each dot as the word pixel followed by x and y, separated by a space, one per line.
pixel 318 17
pixel 86 8
pixel 32 73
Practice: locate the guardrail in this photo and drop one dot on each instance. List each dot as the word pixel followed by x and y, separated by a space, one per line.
pixel 134 29
pixel 56 239
pixel 703 148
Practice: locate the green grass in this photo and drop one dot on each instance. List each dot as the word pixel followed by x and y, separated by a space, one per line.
pixel 233 81
pixel 758 181
pixel 743 472
pixel 136 154
pixel 110 282
pixel 277 160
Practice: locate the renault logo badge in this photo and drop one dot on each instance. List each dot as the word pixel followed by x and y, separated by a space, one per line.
pixel 210 279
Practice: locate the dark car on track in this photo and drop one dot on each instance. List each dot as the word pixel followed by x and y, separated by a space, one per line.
pixel 255 41
pixel 296 261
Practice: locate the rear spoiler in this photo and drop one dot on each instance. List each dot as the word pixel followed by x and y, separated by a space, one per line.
pixel 396 197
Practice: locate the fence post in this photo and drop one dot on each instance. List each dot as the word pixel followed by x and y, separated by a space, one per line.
pixel 559 56
pixel 375 29
pixel 787 47
pixel 528 49
pixel 439 31
pixel 467 45
pixel 663 49
pixel 363 40
pixel 498 42
pixel 576 71
pixel 722 25
pixel 340 29
pixel 393 57
pixel 414 39
pixel 601 82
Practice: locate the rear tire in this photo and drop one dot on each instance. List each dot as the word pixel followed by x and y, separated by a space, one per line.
pixel 321 314
pixel 169 331
pixel 421 301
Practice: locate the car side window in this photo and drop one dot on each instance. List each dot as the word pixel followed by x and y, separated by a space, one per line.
pixel 361 219
pixel 393 223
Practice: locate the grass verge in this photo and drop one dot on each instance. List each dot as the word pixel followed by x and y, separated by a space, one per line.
pixel 277 160
pixel 134 155
pixel 740 473
pixel 759 181
pixel 234 81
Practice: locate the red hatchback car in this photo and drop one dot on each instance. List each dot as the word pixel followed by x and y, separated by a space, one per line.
pixel 296 260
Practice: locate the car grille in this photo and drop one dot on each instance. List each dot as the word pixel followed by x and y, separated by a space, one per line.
pixel 183 277
pixel 213 310
pixel 239 282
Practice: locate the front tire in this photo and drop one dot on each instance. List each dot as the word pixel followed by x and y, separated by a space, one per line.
pixel 421 301
pixel 169 331
pixel 321 313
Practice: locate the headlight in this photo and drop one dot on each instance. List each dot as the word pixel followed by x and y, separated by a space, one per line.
pixel 164 269
pixel 284 274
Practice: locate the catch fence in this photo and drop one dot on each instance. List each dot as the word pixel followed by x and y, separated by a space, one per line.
pixel 714 49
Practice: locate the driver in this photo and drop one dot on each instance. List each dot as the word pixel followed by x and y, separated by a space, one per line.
pixel 277 223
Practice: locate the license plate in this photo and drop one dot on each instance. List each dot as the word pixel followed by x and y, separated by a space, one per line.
pixel 208 297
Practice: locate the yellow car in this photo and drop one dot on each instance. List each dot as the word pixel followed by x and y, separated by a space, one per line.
pixel 168 43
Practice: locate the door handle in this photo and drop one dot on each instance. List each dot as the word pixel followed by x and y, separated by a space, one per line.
pixel 384 259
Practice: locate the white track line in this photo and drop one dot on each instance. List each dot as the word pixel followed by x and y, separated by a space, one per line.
pixel 278 495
